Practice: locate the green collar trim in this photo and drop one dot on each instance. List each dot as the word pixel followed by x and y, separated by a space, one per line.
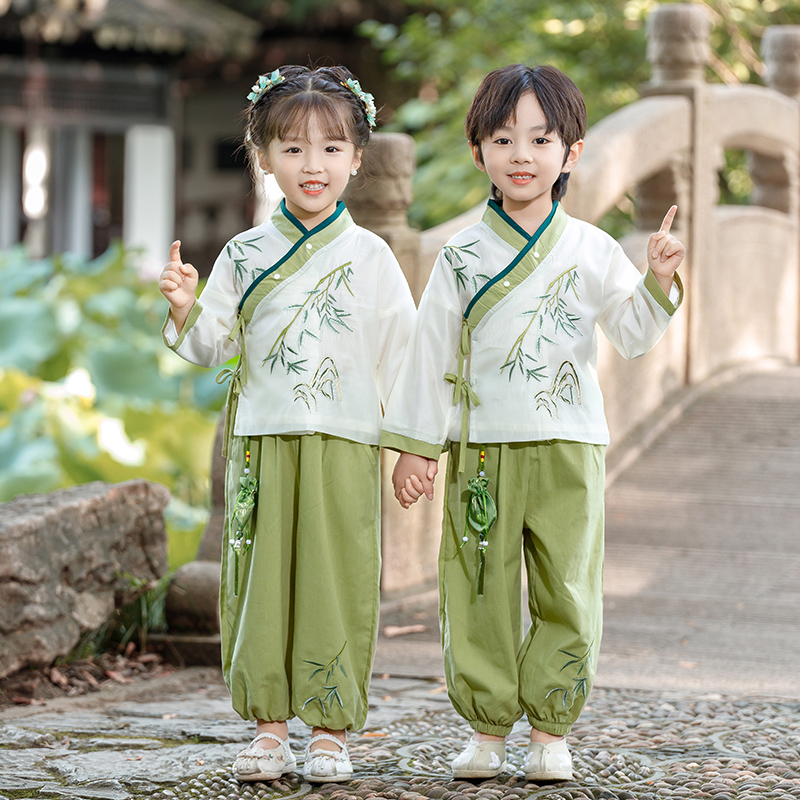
pixel 306 243
pixel 532 251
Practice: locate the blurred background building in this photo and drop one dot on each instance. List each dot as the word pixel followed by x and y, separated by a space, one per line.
pixel 121 119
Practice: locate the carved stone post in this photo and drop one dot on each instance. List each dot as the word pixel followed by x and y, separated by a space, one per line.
pixel 775 177
pixel 678 43
pixel 678 49
pixel 778 187
pixel 379 197
pixel 780 49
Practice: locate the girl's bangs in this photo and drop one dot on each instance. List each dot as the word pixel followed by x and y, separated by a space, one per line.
pixel 292 117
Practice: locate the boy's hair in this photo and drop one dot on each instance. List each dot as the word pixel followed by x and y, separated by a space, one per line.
pixel 496 100
pixel 285 110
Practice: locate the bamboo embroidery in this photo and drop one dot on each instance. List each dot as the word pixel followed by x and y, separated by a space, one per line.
pixel 566 388
pixel 322 300
pixel 552 308
pixel 330 690
pixel 239 269
pixel 325 382
pixel 580 682
pixel 453 256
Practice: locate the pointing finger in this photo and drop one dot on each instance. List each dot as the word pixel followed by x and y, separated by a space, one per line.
pixel 667 223
pixel 175 251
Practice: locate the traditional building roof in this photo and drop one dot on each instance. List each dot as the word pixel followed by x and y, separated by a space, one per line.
pixel 169 27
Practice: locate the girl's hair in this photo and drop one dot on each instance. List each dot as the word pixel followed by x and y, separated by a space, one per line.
pixel 286 109
pixel 496 100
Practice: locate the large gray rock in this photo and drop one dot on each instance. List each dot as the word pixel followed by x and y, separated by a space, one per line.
pixel 65 558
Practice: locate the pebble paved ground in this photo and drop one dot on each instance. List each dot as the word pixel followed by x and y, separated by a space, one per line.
pixel 699 698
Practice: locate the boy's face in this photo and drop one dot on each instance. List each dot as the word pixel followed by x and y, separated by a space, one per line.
pixel 523 160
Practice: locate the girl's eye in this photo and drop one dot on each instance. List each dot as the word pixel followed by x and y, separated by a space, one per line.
pixel 292 149
pixel 332 148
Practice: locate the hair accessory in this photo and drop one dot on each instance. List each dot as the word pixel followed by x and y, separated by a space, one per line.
pixel 365 97
pixel 264 84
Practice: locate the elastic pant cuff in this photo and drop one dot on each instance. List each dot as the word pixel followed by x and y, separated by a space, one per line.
pixel 492 730
pixel 553 728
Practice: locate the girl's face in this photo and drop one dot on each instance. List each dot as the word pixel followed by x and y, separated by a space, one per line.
pixel 311 170
pixel 524 161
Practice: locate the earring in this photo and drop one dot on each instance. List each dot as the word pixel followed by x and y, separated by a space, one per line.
pixel 354 172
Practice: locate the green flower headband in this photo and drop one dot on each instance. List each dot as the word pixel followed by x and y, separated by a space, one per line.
pixel 365 97
pixel 266 82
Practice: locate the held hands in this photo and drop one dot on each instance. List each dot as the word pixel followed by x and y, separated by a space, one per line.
pixel 178 283
pixel 664 252
pixel 412 477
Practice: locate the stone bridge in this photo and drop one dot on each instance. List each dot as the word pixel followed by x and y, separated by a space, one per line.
pixel 742 270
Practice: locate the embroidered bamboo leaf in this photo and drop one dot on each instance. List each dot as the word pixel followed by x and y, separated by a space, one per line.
pixel 552 307
pixel 321 300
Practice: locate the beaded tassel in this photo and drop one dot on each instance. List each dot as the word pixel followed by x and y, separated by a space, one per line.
pixel 241 540
pixel 481 515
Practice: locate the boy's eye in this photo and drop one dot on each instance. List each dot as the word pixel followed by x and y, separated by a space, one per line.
pixel 540 140
pixel 502 140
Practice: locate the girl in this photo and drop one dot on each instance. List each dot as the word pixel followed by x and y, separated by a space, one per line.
pixel 502 370
pixel 318 311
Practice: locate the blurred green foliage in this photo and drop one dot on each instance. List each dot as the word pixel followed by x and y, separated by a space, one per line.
pixel 444 49
pixel 88 391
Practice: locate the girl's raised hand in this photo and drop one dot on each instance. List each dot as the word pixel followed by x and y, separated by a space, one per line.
pixel 664 252
pixel 178 282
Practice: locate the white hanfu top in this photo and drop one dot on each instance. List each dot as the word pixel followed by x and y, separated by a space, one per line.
pixel 507 324
pixel 320 319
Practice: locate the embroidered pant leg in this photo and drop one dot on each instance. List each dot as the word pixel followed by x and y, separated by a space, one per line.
pixel 308 618
pixel 481 634
pixel 563 549
pixel 336 592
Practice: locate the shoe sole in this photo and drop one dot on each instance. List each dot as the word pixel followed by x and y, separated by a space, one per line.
pixel 263 776
pixel 328 778
pixel 479 773
pixel 548 776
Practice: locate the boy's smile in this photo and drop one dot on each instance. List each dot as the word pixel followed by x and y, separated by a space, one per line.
pixel 524 160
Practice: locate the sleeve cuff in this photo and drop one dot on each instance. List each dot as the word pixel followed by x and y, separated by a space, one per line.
pixel 405 444
pixel 669 303
pixel 172 338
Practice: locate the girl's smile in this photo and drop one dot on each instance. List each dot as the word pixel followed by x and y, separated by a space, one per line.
pixel 312 171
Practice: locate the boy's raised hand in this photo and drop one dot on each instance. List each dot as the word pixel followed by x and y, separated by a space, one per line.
pixel 412 477
pixel 664 252
pixel 178 283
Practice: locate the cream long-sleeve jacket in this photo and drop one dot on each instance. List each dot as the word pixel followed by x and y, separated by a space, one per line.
pixel 319 318
pixel 507 327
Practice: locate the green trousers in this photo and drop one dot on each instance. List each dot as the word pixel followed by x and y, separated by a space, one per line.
pixel 298 631
pixel 550 504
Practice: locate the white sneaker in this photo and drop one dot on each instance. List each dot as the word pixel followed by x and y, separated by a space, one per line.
pixel 548 762
pixel 258 764
pixel 480 760
pixel 327 766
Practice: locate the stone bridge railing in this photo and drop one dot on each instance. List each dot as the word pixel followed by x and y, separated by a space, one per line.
pixel 742 271
pixel 741 274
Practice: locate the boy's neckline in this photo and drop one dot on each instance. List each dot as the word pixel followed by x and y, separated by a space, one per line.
pixel 498 209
